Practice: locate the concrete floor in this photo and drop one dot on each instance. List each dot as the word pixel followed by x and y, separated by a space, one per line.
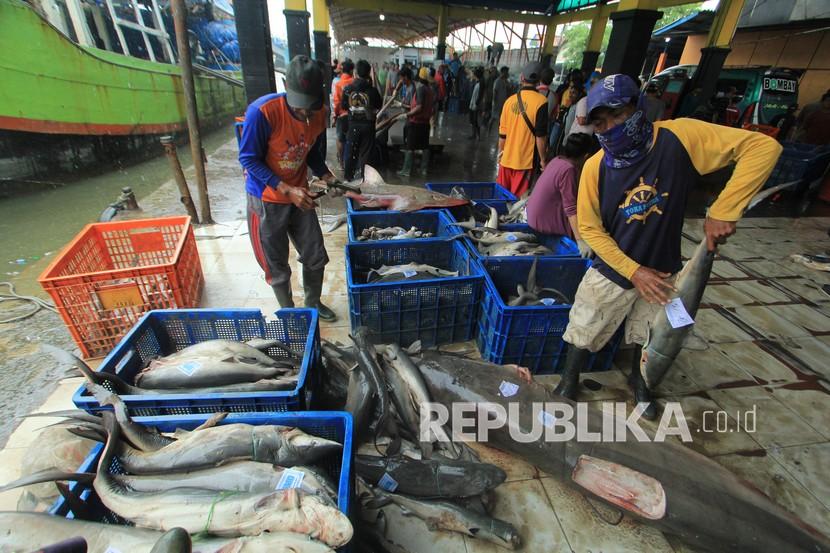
pixel 764 317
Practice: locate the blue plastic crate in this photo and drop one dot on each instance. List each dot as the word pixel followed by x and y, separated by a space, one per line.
pixel 801 164
pixel 333 425
pixel 491 194
pixel 435 311
pixel 561 246
pixel 437 222
pixel 530 336
pixel 165 331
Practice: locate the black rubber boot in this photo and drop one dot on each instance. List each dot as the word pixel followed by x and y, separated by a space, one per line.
pixel 313 287
pixel 576 359
pixel 641 392
pixel 283 294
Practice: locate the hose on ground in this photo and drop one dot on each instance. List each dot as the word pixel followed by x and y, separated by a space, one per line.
pixel 36 303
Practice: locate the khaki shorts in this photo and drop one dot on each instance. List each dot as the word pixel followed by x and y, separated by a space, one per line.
pixel 600 306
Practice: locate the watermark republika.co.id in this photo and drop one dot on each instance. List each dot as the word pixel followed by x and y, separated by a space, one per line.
pixel 564 421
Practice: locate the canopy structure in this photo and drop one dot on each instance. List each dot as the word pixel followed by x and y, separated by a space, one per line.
pixel 405 22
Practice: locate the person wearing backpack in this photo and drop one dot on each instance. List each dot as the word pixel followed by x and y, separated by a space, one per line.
pixel 523 132
pixel 361 101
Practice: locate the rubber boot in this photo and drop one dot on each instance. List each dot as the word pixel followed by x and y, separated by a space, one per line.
pixel 641 392
pixel 406 170
pixel 425 162
pixel 283 294
pixel 576 359
pixel 313 287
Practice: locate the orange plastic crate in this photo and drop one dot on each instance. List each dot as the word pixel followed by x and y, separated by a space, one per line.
pixel 112 273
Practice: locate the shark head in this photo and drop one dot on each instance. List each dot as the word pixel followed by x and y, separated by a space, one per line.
pixel 371 177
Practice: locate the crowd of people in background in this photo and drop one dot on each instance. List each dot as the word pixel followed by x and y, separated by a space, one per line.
pixel 553 120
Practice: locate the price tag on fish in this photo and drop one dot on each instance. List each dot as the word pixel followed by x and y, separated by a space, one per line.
pixel 677 314
pixel 510 237
pixel 290 478
pixel 190 367
pixel 388 483
pixel 508 389
pixel 547 419
pixel 409 273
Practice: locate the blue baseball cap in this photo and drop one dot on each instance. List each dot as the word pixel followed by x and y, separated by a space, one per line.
pixel 613 91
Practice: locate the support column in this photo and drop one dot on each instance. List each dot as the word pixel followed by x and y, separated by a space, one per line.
pixel 322 42
pixel 630 36
pixel 254 32
pixel 441 46
pixel 714 54
pixel 593 46
pixel 547 57
pixel 296 24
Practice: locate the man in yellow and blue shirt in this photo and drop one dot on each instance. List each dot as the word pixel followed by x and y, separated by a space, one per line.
pixel 630 207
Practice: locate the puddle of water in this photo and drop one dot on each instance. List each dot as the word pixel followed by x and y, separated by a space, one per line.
pixel 34 226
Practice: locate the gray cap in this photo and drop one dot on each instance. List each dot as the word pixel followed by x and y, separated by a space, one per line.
pixel 532 72
pixel 304 84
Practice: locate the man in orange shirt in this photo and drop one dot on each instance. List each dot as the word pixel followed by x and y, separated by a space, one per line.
pixel 280 141
pixel 341 115
pixel 523 130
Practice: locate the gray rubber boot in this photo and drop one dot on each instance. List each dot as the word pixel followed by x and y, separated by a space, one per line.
pixel 425 162
pixel 283 294
pixel 313 288
pixel 575 361
pixel 406 170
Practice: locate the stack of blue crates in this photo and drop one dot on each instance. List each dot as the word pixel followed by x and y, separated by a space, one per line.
pixel 491 194
pixel 336 426
pixel 531 336
pixel 472 305
pixel 435 311
pixel 165 331
pixel 162 332
pixel 437 222
pixel 801 164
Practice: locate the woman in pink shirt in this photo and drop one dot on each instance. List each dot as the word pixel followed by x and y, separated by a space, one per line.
pixel 551 208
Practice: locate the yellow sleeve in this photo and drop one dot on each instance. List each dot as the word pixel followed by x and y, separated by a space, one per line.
pixel 590 221
pixel 712 147
pixel 503 119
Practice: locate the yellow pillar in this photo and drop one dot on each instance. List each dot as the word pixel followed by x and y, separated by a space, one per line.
pixel 725 23
pixel 593 46
pixel 296 27
pixel 320 16
pixel 320 28
pixel 598 24
pixel 638 5
pixel 547 44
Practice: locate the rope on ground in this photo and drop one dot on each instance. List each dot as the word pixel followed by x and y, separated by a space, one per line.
pixel 37 303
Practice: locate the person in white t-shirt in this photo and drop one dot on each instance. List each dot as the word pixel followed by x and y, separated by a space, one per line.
pixel 580 115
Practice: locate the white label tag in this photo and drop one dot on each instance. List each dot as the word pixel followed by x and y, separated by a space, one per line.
pixel 677 314
pixel 409 273
pixel 510 237
pixel 388 483
pixel 548 301
pixel 508 389
pixel 111 549
pixel 290 478
pixel 547 419
pixel 190 367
